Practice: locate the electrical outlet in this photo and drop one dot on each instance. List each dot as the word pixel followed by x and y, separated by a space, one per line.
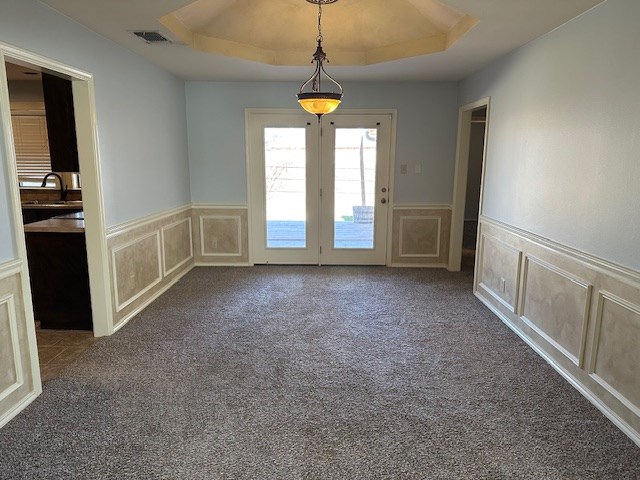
pixel 503 285
pixel 215 243
pixel 403 169
pixel 417 168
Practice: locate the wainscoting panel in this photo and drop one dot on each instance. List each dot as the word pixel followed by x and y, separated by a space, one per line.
pixel 556 305
pixel 499 270
pixel 581 313
pixel 148 255
pixel 420 235
pixel 136 268
pixel 11 377
pixel 615 362
pixel 177 245
pixel 221 235
pixel 18 352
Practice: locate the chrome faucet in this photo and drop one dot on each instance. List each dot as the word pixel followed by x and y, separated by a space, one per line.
pixel 63 187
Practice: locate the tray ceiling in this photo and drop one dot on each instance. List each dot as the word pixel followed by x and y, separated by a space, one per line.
pixel 502 25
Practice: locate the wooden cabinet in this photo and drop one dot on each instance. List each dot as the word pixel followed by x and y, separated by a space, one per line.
pixel 61 123
pixel 59 278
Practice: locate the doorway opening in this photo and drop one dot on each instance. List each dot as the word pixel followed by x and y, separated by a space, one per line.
pixel 468 181
pixel 70 190
pixel 472 197
pixel 319 192
pixel 50 185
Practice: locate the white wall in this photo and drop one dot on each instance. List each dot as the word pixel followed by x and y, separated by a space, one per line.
pixel 427 121
pixel 563 156
pixel 141 112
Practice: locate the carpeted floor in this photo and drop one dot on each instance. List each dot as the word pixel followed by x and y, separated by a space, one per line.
pixel 314 373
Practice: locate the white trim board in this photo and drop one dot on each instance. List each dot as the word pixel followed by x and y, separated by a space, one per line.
pixel 166 272
pixel 610 414
pixel 143 221
pixel 460 177
pixel 15 346
pixel 622 273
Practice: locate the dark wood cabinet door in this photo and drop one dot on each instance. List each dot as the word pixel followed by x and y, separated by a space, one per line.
pixel 61 123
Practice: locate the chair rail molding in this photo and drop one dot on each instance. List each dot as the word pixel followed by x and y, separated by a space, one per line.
pixel 579 312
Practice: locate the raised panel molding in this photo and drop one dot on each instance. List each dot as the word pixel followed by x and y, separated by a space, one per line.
pixel 555 304
pixel 418 238
pixel 173 245
pixel 579 312
pixel 499 270
pixel 12 379
pixel 220 236
pixel 136 260
pixel 615 357
pixel 159 250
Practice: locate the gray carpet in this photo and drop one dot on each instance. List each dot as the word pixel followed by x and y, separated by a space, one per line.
pixel 314 373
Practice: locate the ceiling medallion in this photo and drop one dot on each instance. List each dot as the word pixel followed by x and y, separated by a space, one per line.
pixel 311 96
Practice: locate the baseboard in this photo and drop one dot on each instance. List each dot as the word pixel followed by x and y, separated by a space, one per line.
pixel 153 298
pixel 205 264
pixel 417 265
pixel 617 421
pixel 11 414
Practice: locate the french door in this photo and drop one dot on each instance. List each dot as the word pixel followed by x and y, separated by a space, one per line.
pixel 319 194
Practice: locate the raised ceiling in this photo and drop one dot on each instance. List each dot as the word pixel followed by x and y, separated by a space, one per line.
pixel 503 25
pixel 282 32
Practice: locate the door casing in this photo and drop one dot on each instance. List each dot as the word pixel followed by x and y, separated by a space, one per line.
pixel 251 112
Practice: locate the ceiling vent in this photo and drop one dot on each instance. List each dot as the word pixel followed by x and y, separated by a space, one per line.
pixel 151 36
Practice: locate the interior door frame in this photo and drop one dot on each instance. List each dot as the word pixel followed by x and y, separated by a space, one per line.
pixel 361 111
pixel 92 195
pixel 460 178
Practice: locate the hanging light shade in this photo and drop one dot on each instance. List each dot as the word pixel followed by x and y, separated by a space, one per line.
pixel 312 97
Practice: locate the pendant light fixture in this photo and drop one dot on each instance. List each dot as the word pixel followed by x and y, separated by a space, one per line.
pixel 312 97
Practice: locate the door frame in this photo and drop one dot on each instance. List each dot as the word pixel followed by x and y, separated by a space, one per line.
pixel 460 178
pixel 92 195
pixel 248 112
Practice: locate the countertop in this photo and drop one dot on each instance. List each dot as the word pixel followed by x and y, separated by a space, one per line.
pixel 67 223
pixel 69 205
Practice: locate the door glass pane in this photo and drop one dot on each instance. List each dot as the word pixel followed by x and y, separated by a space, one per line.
pixel 285 186
pixel 355 184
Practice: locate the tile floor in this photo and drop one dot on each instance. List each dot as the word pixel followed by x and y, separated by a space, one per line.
pixel 59 348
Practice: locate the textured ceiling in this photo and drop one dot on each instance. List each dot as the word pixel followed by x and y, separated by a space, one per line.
pixel 503 25
pixel 283 32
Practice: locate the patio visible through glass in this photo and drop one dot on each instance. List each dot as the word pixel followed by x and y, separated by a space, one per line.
pixel 354 189
pixel 285 187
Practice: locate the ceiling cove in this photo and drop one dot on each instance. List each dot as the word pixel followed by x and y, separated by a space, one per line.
pixel 356 32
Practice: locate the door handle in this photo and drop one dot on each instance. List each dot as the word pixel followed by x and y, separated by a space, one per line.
pixel 384 200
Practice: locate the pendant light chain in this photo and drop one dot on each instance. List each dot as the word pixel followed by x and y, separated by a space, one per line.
pixel 319 38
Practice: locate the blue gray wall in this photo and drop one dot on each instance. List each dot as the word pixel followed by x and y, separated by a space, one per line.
pixel 141 115
pixel 426 134
pixel 563 158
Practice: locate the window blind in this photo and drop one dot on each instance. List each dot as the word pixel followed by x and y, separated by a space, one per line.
pixel 32 146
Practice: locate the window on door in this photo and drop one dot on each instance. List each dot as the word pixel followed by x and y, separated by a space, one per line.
pixel 319 195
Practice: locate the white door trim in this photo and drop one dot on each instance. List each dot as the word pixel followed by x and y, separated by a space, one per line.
pixel 460 178
pixel 382 225
pixel 256 123
pixel 92 196
pixel 249 112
